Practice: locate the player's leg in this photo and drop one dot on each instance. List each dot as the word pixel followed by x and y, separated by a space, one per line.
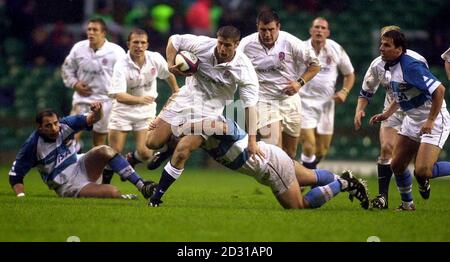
pixel 308 140
pixel 116 140
pixel 100 191
pixel 142 153
pixel 98 157
pixel 289 144
pixel 323 144
pixel 404 151
pixel 271 133
pixel 175 166
pixel 159 134
pixel 292 198
pixel 388 138
pixel 310 177
pixel 431 144
pixel 324 131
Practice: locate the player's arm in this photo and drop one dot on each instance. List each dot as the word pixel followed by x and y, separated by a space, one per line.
pixel 393 107
pixel 25 160
pixel 447 70
pixel 128 99
pixel 347 85
pixel 172 82
pixel 251 123
pixel 437 99
pixel 70 78
pixel 96 113
pixel 360 112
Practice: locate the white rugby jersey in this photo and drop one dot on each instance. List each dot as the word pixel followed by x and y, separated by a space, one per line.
pixel 375 76
pixel 93 68
pixel 213 85
pixel 278 65
pixel 332 57
pixel 50 157
pixel 446 55
pixel 129 78
pixel 412 85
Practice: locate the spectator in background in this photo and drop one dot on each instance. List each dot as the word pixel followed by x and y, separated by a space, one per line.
pixel 198 18
pixel 39 50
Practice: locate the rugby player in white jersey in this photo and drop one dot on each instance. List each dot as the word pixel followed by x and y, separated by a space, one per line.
pixel 425 127
pixel 278 58
pixel 222 70
pixel 134 91
pixel 51 149
pixel 375 77
pixel 88 70
pixel 319 95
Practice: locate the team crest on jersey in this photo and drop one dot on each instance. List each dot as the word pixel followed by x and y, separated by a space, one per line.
pixel 281 56
pixel 104 61
pixel 153 71
pixel 329 60
pixel 226 74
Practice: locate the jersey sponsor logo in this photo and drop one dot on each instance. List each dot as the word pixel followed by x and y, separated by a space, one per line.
pixel 281 56
pixel 227 74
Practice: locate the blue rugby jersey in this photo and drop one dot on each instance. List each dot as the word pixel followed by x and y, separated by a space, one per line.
pixel 412 85
pixel 50 157
pixel 230 149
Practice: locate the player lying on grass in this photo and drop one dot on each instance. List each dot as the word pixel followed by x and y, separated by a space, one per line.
pixel 51 149
pixel 226 142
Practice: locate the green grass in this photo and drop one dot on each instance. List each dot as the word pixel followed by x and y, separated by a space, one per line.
pixel 214 205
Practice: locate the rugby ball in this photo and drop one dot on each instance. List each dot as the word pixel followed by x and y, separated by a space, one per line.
pixel 189 62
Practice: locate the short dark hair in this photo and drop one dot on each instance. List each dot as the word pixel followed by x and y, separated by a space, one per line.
pixel 99 21
pixel 228 32
pixel 43 113
pixel 397 37
pixel 267 16
pixel 137 31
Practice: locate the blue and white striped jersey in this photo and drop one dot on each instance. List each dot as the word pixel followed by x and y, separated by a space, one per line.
pixel 50 157
pixel 230 149
pixel 412 85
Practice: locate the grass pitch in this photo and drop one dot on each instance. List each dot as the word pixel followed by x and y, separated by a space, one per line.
pixel 214 205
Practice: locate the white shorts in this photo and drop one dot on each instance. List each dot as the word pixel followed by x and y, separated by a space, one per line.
pixel 319 115
pixel 288 111
pixel 439 133
pixel 394 121
pixel 75 179
pixel 276 171
pixel 117 122
pixel 102 125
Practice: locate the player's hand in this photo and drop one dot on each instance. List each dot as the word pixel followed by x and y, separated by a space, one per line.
pixel 340 96
pixel 82 89
pixel 254 151
pixel 377 118
pixel 357 120
pixel 175 69
pixel 154 124
pixel 427 127
pixel 292 88
pixel 96 106
pixel 147 100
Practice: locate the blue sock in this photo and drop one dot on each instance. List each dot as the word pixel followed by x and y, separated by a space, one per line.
pixel 168 176
pixel 441 169
pixel 404 184
pixel 324 177
pixel 320 195
pixel 121 166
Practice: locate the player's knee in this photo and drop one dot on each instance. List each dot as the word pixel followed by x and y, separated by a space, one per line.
pixel 106 151
pixel 423 171
pixel 152 143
